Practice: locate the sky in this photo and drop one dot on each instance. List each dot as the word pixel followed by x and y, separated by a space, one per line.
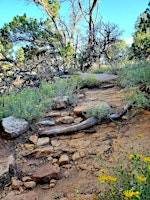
pixel 124 13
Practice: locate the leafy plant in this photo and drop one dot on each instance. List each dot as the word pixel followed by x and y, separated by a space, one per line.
pixel 90 82
pixel 127 182
pixel 33 103
pixel 100 112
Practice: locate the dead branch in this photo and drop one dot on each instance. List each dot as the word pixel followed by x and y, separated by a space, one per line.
pixel 71 129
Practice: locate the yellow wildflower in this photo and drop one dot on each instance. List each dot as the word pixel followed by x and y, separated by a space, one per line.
pixel 140 135
pixel 149 167
pixel 107 178
pixel 132 156
pixel 129 194
pixel 146 159
pixel 141 178
pixel 103 178
pixel 112 178
pixel 102 170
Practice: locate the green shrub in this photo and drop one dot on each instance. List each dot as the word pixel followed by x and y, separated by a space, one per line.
pixel 32 103
pixel 101 112
pixel 90 82
pixel 139 98
pixel 135 75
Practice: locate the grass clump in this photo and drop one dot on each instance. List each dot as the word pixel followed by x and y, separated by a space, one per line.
pixel 99 112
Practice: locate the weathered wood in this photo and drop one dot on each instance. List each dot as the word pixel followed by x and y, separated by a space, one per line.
pixel 118 115
pixel 73 128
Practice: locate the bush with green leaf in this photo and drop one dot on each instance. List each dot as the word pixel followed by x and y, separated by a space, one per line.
pixel 33 103
pixel 99 112
pixel 90 82
pixel 126 181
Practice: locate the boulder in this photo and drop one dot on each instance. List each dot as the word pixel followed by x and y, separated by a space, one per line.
pixel 60 102
pixel 14 127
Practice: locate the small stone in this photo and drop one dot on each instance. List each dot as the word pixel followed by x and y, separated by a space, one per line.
pixel 67 120
pixel 55 143
pixel 54 161
pixel 53 181
pixel 26 178
pixel 30 184
pixel 46 123
pixel 53 114
pixel 50 158
pixel 33 139
pixel 43 141
pixel 83 166
pixel 58 120
pixel 78 120
pixel 82 154
pixel 65 113
pixel 64 159
pixel 51 185
pixel 16 184
pixel 76 156
pixel 29 146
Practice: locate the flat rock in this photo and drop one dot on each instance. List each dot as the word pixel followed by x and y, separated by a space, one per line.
pixel 14 127
pixel 42 141
pixel 42 151
pixel 102 77
pixel 46 173
pixel 27 196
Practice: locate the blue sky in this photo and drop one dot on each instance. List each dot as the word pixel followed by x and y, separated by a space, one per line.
pixel 121 12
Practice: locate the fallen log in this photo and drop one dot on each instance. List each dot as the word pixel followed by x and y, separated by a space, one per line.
pixel 73 128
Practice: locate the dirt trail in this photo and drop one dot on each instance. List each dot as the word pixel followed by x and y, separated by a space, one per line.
pixel 91 151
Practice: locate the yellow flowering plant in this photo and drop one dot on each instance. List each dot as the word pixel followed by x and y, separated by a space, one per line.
pixel 130 181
